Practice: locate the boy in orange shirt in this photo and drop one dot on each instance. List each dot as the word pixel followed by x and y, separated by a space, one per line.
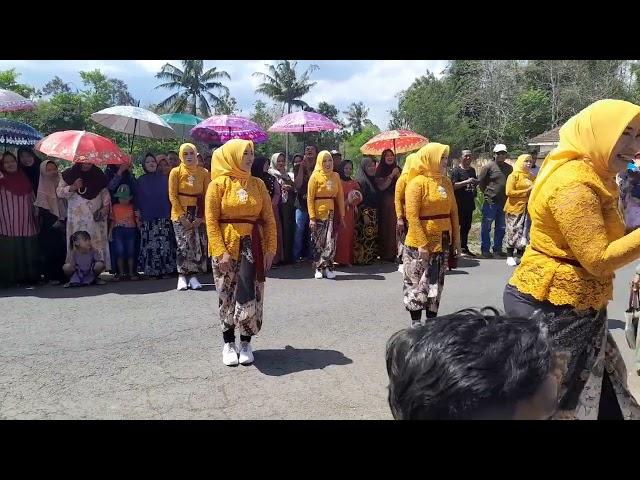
pixel 122 230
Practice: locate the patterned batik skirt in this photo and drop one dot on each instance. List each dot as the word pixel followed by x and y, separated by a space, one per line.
pixel 157 248
pixel 191 254
pixel 423 281
pixel 401 238
pixel 366 244
pixel 240 295
pixel 324 243
pixel 516 234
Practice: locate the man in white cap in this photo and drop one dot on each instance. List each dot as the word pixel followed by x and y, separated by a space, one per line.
pixel 492 182
pixel 337 158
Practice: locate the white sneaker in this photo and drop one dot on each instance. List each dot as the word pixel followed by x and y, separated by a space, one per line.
pixel 182 283
pixel 433 290
pixel 230 354
pixel 401 268
pixel 246 354
pixel 318 275
pixel 511 262
pixel 330 274
pixel 194 283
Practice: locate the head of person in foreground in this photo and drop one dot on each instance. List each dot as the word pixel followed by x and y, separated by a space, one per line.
pixel 473 365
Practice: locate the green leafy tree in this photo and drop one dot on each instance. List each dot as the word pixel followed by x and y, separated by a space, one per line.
pixel 194 87
pixel 356 116
pixel 54 86
pixel 227 105
pixel 9 81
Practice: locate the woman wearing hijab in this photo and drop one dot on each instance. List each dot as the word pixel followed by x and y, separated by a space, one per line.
pixel 259 169
pixel 157 240
pixel 287 207
pixel 242 234
pixel 352 198
pixel 52 212
pixel 432 214
pixel 324 197
pixel 387 174
pixel 577 243
pixel 519 185
pixel 29 163
pixel 401 186
pixel 18 226
pixel 365 250
pixel 187 188
pixel 84 186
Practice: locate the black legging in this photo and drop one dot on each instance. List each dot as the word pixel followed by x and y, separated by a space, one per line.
pixel 465 216
pixel 229 336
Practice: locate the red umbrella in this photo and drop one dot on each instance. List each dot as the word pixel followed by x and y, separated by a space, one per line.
pixel 400 141
pixel 81 146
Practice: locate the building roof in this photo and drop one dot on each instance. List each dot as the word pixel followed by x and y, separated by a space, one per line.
pixel 551 137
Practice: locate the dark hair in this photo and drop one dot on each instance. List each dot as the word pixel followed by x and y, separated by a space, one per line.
pixel 174 152
pixel 80 234
pixel 296 156
pixel 314 147
pixel 467 365
pixel 341 166
pixel 149 154
pixel 27 150
pixel 384 170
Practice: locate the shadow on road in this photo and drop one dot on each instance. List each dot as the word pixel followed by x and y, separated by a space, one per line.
pixel 141 287
pixel 357 272
pixel 276 363
pixel 456 272
pixel 362 276
pixel 616 324
pixel 464 262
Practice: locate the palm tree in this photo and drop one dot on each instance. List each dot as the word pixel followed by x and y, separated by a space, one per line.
pixel 282 84
pixel 357 116
pixel 194 87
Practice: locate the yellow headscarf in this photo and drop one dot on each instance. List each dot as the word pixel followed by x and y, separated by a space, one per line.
pixel 227 159
pixel 191 169
pixel 408 163
pixel 519 167
pixel 427 161
pixel 319 168
pixel 589 136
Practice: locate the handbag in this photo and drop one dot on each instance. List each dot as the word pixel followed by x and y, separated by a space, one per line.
pixel 632 316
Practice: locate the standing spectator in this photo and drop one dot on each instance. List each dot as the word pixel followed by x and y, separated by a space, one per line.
pixel 337 158
pixel 287 207
pixel 18 226
pixel 519 185
pixel 187 187
pixel 493 182
pixel 157 240
pixel 85 187
pixel 432 214
pixel 302 175
pixel 577 243
pixel 29 163
pixel 366 246
pixel 352 198
pixel 260 169
pixel 535 168
pixel 52 213
pixel 325 202
pixel 123 231
pixel 630 198
pixel 119 175
pixel 174 159
pixel 242 233
pixel 387 175
pixel 464 181
pixel 163 166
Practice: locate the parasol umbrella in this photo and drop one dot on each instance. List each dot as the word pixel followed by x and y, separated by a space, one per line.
pixel 400 141
pixel 17 134
pixel 302 122
pixel 134 121
pixel 222 128
pixel 81 146
pixel 13 102
pixel 181 122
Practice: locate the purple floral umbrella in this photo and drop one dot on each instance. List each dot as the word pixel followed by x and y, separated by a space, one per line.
pixel 12 102
pixel 222 128
pixel 302 122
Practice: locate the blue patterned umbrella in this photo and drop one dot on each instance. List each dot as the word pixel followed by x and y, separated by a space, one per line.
pixel 17 134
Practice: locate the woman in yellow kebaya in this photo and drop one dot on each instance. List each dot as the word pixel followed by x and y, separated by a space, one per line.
pixel 519 185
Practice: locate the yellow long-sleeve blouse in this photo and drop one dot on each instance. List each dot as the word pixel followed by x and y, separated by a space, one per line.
pixel 227 199
pixel 575 217
pixel 424 197
pixel 319 187
pixel 517 191
pixel 179 183
pixel 398 199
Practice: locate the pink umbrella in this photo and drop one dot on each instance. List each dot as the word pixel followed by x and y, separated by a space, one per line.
pixel 81 146
pixel 222 128
pixel 12 102
pixel 301 122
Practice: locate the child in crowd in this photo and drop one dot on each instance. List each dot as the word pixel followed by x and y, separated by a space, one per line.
pixel 122 231
pixel 472 366
pixel 84 263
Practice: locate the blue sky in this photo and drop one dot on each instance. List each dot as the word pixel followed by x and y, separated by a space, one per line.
pixel 340 82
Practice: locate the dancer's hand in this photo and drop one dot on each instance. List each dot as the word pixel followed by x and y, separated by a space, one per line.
pixel 185 223
pixel 400 226
pixel 312 225
pixel 225 262
pixel 196 223
pixel 423 253
pixel 268 261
